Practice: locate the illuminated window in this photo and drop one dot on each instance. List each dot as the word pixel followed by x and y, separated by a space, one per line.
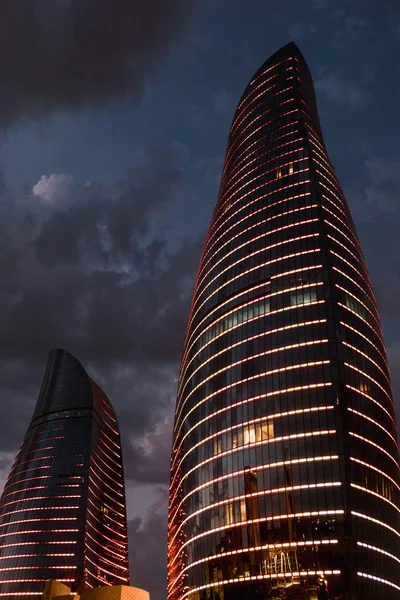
pixel 303 297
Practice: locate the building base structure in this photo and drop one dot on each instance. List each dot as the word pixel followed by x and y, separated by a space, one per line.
pixel 56 590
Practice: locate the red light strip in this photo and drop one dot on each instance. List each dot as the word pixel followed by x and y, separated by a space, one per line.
pixel 120 557
pixel 243 158
pixel 257 267
pixel 103 492
pixel 252 445
pixel 116 565
pixel 28 555
pixel 106 526
pixel 126 579
pixel 230 190
pixel 239 142
pixel 35 521
pixel 36 508
pixel 29 531
pixel 270 313
pixel 33 498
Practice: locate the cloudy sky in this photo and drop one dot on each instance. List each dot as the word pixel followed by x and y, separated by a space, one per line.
pixel 114 118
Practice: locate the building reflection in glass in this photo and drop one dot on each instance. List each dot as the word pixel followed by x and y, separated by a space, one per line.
pixel 285 464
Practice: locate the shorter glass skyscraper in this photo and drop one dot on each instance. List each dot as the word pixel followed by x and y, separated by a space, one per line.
pixel 63 511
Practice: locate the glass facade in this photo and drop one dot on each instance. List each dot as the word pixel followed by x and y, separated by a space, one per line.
pixel 285 464
pixel 62 511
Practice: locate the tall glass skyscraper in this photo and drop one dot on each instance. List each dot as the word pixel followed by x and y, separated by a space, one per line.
pixel 285 465
pixel 62 511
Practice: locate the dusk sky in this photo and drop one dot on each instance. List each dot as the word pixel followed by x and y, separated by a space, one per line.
pixel 114 118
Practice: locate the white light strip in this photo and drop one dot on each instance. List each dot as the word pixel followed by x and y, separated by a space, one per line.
pixel 239 246
pixel 231 313
pixel 253 302
pixel 359 414
pixel 371 400
pixel 376 521
pixel 294 515
pixel 363 489
pixel 371 379
pixel 253 398
pixel 367 441
pixel 269 394
pixel 243 361
pixel 259 578
pixel 375 549
pixel 259 420
pixel 370 359
pixel 294 461
pixel 364 464
pixel 269 492
pixel 379 579
pixel 250 378
pixel 374 316
pixel 190 333
pixel 200 293
pixel 274 547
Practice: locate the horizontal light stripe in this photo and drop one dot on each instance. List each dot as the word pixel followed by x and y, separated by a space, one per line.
pixel 375 549
pixel 379 579
pixel 376 521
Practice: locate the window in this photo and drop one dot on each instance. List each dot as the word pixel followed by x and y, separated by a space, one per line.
pixel 303 297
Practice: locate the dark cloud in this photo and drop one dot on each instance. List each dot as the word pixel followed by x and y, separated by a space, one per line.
pixel 100 272
pixel 341 91
pixel 75 53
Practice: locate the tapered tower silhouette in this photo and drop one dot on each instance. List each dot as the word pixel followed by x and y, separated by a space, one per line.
pixel 285 464
pixel 62 511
